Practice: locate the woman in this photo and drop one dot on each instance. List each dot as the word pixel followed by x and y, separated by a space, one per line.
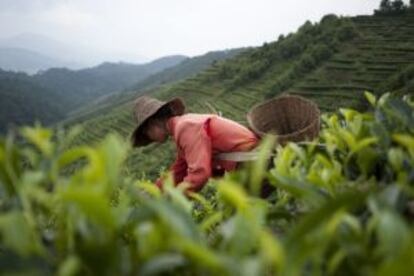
pixel 197 137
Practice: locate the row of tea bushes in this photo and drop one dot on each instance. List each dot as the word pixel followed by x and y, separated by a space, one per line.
pixel 342 205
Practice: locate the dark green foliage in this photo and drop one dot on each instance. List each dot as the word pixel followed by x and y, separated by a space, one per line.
pixel 321 52
pixel 399 80
pixel 225 72
pixel 329 19
pixel 23 101
pixel 385 4
pixel 346 32
pixel 323 40
pixel 388 7
pixel 398 5
pixel 285 49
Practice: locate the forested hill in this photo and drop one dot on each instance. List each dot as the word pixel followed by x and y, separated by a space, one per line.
pixel 47 96
pixel 22 99
pixel 331 62
pixel 65 91
pixel 77 87
pixel 187 68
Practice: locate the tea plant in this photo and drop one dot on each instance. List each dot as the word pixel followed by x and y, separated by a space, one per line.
pixel 342 205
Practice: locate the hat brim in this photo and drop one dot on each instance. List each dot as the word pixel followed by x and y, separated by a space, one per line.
pixel 139 139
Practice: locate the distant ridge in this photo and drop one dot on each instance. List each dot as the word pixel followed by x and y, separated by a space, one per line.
pixel 187 68
pixel 23 60
pixel 48 95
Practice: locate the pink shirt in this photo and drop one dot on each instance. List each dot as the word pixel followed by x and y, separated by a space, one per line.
pixel 198 137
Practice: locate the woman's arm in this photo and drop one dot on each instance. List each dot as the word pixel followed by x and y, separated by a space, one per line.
pixel 178 170
pixel 197 149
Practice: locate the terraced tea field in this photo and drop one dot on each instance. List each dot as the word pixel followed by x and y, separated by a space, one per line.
pixel 385 48
pixel 382 51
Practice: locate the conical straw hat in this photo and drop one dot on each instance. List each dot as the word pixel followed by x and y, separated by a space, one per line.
pixel 144 108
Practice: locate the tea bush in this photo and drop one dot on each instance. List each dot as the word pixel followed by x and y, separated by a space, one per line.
pixel 311 45
pixel 342 205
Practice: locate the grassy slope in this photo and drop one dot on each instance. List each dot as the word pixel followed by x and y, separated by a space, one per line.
pixel 383 49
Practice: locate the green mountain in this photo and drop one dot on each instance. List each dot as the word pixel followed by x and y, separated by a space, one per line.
pixel 23 100
pixel 78 87
pixel 187 68
pixel 49 95
pixel 331 62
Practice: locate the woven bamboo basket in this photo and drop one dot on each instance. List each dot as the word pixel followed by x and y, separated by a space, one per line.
pixel 290 118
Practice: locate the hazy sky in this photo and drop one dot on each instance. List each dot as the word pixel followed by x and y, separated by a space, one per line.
pixel 153 28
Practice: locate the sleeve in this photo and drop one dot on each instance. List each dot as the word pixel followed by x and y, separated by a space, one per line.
pixel 178 170
pixel 197 149
pixel 179 167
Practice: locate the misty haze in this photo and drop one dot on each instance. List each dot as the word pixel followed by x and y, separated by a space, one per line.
pixel 220 137
pixel 78 34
